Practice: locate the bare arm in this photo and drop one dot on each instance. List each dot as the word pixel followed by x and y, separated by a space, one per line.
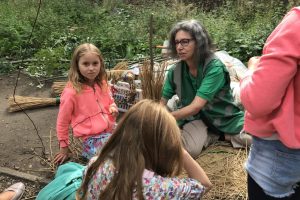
pixel 195 171
pixel 197 104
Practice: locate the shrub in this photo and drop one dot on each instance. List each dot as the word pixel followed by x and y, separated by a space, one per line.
pixel 122 30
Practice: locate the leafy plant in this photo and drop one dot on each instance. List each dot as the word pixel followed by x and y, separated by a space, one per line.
pixel 120 28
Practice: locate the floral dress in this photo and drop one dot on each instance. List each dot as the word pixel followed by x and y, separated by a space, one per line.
pixel 154 186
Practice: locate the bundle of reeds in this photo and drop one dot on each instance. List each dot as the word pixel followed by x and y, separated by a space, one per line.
pixel 57 87
pixel 23 103
pixel 115 75
pixel 121 66
pixel 152 80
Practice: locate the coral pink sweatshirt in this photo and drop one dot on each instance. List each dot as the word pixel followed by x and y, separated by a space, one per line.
pixel 86 112
pixel 271 95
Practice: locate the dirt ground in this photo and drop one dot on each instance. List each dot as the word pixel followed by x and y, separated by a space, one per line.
pixel 20 146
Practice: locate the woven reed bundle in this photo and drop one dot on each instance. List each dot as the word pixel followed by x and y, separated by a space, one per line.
pixel 225 168
pixel 29 103
pixel 57 88
pixel 121 66
pixel 115 75
pixel 152 81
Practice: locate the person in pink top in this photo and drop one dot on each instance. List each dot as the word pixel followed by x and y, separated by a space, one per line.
pixel 271 97
pixel 86 104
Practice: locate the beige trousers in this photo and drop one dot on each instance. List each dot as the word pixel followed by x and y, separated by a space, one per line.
pixel 195 138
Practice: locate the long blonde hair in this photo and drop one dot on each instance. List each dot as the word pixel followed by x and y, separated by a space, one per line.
pixel 147 137
pixel 75 77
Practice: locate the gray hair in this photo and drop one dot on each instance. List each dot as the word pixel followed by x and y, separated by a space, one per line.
pixel 204 47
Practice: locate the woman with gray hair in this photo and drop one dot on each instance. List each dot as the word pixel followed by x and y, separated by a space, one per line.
pixel 202 83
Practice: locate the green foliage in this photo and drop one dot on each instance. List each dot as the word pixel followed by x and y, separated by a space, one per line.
pixel 121 29
pixel 13 36
pixel 6 67
pixel 49 63
pixel 242 27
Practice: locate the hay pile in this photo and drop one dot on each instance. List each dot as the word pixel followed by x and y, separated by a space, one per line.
pixel 225 168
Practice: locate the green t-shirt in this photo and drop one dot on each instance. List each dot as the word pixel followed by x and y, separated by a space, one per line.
pixel 212 84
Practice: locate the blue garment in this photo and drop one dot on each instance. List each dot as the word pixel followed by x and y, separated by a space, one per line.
pixel 67 180
pixel 274 167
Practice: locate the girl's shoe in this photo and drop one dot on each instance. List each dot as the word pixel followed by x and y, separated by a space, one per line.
pixel 18 188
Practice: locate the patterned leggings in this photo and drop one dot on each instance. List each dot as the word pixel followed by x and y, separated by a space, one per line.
pixel 93 145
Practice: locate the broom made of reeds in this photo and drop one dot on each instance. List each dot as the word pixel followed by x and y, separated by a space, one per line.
pixel 58 86
pixel 25 102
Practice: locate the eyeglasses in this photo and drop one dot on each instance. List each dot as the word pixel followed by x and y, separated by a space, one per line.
pixel 183 42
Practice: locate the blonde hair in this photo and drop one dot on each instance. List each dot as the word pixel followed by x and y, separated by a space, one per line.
pixel 75 77
pixel 147 137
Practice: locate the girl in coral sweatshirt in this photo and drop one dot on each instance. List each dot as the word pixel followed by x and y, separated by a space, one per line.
pixel 86 104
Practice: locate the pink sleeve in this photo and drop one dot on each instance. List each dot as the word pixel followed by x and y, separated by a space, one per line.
pixel 263 91
pixel 64 117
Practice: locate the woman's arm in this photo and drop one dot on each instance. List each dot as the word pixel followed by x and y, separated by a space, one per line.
pixel 197 104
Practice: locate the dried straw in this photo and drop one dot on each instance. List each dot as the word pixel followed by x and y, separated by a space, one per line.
pixel 115 75
pixel 121 66
pixel 225 168
pixel 152 81
pixel 23 102
pixel 57 87
pixel 75 155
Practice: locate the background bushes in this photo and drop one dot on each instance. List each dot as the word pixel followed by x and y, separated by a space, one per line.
pixel 121 28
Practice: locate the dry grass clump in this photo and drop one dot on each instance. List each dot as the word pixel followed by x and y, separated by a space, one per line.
pixel 121 66
pixel 115 75
pixel 152 80
pixel 225 168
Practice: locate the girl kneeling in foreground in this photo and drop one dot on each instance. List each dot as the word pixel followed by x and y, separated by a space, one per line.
pixel 142 160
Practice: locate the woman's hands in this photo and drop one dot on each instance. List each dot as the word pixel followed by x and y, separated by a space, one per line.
pixel 195 171
pixel 62 155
